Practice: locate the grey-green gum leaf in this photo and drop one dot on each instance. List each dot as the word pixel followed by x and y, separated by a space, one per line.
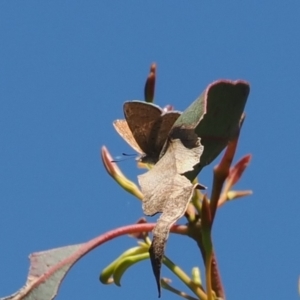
pixel 215 116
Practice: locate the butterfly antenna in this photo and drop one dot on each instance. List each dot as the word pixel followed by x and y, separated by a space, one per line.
pixel 126 154
pixel 121 158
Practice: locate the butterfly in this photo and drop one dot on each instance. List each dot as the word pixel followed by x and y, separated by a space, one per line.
pixel 145 128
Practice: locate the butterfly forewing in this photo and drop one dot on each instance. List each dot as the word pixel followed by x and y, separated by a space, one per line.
pixel 141 117
pixel 123 130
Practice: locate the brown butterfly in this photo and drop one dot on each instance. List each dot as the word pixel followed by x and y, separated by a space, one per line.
pixel 145 128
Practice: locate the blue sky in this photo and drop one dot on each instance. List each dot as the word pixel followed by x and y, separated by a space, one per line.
pixel 66 67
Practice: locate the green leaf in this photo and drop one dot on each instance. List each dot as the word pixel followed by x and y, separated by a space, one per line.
pixel 110 269
pixel 125 263
pixel 215 116
pixel 47 270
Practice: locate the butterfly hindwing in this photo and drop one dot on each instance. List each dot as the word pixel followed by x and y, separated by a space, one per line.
pixel 162 129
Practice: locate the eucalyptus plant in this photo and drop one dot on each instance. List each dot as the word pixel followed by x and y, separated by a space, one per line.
pixel 174 148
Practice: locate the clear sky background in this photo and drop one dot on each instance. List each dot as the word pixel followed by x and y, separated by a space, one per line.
pixel 66 67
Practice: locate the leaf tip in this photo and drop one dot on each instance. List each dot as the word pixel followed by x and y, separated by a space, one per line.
pixel 156 255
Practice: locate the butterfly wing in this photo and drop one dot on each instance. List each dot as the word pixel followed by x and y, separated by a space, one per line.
pixel 162 129
pixel 123 130
pixel 141 117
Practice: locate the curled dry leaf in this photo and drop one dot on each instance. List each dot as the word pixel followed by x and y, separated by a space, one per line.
pixel 167 191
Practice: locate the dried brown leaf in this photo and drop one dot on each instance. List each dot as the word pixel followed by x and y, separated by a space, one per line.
pixel 166 190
